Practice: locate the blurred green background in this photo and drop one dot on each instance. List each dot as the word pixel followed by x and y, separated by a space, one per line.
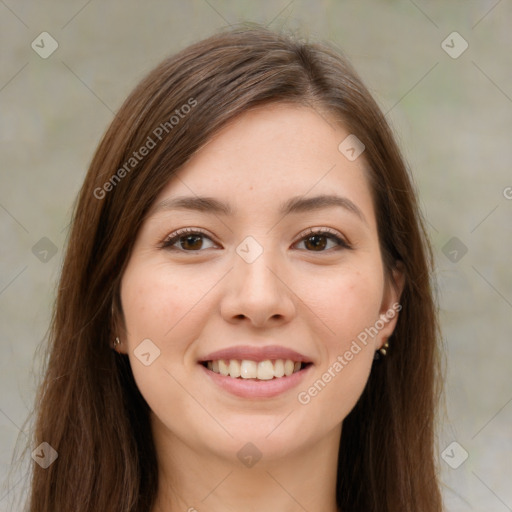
pixel 451 109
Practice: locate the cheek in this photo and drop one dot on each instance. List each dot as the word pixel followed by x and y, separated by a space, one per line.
pixel 157 304
pixel 349 307
pixel 347 303
pixel 153 305
pixel 163 309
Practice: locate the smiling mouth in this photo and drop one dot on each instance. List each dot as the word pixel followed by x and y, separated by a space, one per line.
pixel 256 370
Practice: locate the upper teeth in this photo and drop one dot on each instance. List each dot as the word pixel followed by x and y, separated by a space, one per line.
pixel 263 370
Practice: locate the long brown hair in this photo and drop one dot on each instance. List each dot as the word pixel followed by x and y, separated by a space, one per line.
pixel 89 408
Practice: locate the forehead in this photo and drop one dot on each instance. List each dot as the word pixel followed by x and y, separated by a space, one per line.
pixel 270 154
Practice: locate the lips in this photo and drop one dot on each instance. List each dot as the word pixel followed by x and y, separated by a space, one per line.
pixel 257 354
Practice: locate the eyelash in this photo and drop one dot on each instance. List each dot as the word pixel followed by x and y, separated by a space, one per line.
pixel 329 233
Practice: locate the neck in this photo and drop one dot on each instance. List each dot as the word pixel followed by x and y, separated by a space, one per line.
pixel 191 480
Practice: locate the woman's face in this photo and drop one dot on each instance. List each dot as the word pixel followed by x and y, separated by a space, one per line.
pixel 279 261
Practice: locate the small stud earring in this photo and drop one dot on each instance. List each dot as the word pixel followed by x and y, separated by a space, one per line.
pixel 116 343
pixel 382 351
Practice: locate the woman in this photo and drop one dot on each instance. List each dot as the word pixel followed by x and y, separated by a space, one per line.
pixel 244 318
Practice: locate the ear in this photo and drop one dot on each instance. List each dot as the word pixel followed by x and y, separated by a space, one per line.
pixel 390 306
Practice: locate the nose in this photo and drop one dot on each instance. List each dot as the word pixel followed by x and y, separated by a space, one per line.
pixel 257 293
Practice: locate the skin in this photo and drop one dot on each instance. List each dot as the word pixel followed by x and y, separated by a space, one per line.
pixel 190 302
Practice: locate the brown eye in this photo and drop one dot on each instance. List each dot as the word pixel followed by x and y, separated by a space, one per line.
pixel 193 242
pixel 318 241
pixel 186 240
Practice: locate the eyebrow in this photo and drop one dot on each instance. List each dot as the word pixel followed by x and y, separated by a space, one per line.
pixel 298 204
